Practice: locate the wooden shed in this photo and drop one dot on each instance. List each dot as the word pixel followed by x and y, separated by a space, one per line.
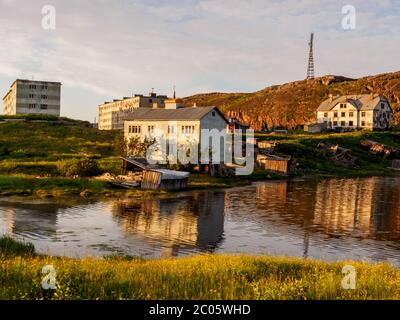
pixel 152 177
pixel 276 164
pixel 396 164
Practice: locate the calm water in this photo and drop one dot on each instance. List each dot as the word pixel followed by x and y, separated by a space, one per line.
pixel 331 220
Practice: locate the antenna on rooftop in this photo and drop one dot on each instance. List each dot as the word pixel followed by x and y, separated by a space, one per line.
pixel 310 69
pixel 174 95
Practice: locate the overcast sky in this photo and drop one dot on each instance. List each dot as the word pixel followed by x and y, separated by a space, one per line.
pixel 101 50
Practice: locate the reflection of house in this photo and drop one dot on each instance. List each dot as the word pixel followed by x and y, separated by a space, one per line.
pixel 24 217
pixel 193 221
pixel 344 206
pixel 365 111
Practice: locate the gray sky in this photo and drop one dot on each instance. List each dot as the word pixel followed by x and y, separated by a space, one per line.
pixel 102 49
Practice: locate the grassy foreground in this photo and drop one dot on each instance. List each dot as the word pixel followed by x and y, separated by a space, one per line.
pixel 198 277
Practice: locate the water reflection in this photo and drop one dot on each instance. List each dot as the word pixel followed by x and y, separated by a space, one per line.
pixel 329 219
pixel 195 221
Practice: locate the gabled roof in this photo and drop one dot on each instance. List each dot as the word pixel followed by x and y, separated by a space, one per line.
pixel 161 114
pixel 362 102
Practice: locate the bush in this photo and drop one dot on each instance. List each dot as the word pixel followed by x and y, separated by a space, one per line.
pixel 10 247
pixel 79 167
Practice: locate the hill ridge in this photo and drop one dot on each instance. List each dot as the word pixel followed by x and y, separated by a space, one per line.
pixel 294 103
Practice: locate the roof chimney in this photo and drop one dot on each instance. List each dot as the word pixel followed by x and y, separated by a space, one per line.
pixel 194 105
pixel 330 97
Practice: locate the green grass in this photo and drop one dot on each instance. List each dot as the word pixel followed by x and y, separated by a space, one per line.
pixel 196 277
pixel 30 148
pixel 303 147
pixel 46 187
pixel 11 247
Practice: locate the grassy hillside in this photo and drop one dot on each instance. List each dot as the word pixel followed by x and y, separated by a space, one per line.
pixel 198 277
pixel 34 153
pixel 295 103
pixel 313 161
pixel 36 147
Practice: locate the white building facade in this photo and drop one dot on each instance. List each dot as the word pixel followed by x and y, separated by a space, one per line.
pixel 372 112
pixel 33 97
pixel 113 114
pixel 177 127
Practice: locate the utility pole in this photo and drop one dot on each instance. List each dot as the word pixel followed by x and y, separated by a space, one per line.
pixel 310 69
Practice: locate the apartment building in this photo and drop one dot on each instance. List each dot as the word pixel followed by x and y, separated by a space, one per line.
pixel 366 111
pixel 113 114
pixel 33 97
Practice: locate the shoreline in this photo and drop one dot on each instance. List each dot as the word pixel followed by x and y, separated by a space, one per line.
pixel 58 187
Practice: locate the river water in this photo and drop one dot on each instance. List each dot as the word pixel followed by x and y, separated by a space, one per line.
pixel 334 219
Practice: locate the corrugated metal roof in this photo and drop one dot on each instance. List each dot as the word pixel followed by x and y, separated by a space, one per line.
pixel 362 102
pixel 193 113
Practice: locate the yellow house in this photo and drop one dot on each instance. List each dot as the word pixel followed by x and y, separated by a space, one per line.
pixel 366 111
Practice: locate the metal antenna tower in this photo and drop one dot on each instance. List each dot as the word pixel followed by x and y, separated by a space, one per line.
pixel 310 69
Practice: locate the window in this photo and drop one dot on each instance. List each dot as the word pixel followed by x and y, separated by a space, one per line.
pixel 213 113
pixel 171 129
pixel 326 115
pixel 342 123
pixel 31 95
pixel 134 129
pixel 382 106
pixel 130 129
pixel 351 123
pixel 188 129
pixel 32 86
pixel 363 114
pixel 150 129
pixel 43 106
pixel 44 87
pixel 351 114
pixel 343 106
pixel 32 106
pixel 44 96
pixel 335 114
pixel 343 114
pixel 335 123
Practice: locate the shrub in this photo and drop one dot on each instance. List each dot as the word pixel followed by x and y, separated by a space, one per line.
pixel 10 247
pixel 79 167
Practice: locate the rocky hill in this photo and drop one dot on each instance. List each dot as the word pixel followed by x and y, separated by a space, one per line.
pixel 295 103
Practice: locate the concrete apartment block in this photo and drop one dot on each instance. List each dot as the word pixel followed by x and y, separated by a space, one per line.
pixel 33 97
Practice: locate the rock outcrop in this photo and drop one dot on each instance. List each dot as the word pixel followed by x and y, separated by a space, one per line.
pixel 293 104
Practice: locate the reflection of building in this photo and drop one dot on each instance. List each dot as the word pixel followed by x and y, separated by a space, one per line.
pixel 365 208
pixel 192 221
pixel 345 205
pixel 24 217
